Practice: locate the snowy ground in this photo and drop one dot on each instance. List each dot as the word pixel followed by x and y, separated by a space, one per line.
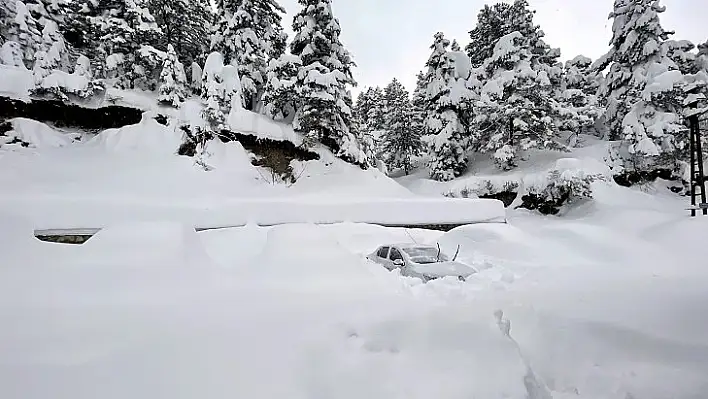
pixel 607 301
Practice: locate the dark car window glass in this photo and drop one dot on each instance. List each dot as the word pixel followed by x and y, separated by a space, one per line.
pixel 395 255
pixel 383 252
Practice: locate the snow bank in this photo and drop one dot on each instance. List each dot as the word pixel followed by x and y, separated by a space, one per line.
pixel 149 244
pixel 16 82
pixel 146 136
pixel 66 82
pixel 89 212
pixel 34 134
pixel 261 126
pixel 230 157
pixel 328 266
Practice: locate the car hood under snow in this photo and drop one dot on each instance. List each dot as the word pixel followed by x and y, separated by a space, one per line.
pixel 443 269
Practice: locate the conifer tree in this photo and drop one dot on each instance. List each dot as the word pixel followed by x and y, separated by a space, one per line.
pixel 447 109
pixel 122 36
pixel 401 142
pixel 185 25
pixel 642 88
pixel 515 111
pixel 11 54
pixel 519 84
pixel 281 94
pixel 249 32
pixel 21 27
pixel 173 82
pixel 324 111
pixel 577 107
pixel 370 115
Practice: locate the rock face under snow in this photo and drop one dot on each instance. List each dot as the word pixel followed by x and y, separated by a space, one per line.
pixel 69 115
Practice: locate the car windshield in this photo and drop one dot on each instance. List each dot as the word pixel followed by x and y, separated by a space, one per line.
pixel 424 255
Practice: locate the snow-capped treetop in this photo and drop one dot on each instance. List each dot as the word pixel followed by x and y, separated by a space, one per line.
pixel 370 109
pixel 579 61
pixel 681 53
pixel 266 22
pixel 501 19
pixel 638 42
pixel 317 38
pixel 637 33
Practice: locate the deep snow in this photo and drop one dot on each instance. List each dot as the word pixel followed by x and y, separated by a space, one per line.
pixel 599 308
pixel 604 302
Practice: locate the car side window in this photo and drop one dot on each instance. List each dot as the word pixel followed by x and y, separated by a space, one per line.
pixel 395 255
pixel 383 252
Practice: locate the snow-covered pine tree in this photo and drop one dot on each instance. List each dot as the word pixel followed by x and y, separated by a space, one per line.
pixel 249 32
pixel 20 26
pixel 11 54
pixel 83 69
pixel 325 105
pixel 6 12
pixel 515 111
pixel 518 75
pixel 281 95
pixel 418 108
pixel 126 36
pixel 370 114
pixel 702 57
pixel 448 109
pixel 52 52
pixel 642 88
pixel 185 25
pixel 401 141
pixel 491 26
pixel 681 53
pixel 173 82
pixel 578 107
pixel 221 91
pixel 499 20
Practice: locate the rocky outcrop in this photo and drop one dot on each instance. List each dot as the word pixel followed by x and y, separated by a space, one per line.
pixel 275 155
pixel 59 114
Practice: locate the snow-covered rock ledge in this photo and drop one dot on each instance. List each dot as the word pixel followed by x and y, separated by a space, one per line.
pixel 73 213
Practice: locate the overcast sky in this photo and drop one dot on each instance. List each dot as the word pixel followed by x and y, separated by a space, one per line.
pixel 390 38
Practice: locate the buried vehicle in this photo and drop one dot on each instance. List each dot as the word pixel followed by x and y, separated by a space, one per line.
pixel 422 261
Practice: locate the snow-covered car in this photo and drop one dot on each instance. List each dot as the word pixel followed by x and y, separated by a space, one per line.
pixel 422 261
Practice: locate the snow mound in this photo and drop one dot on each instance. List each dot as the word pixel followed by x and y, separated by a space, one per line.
pixel 16 238
pixel 152 244
pixel 146 136
pixel 254 124
pixel 231 157
pixel 68 82
pixel 34 134
pixel 16 82
pixel 325 264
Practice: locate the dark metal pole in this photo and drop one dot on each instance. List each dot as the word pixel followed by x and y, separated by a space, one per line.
pixel 692 133
pixel 699 159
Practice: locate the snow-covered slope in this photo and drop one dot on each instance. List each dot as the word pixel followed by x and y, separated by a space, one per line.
pixel 133 173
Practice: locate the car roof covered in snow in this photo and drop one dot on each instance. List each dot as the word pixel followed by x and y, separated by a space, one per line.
pixel 409 245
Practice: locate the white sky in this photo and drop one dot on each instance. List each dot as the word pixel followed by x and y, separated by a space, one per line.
pixel 391 38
